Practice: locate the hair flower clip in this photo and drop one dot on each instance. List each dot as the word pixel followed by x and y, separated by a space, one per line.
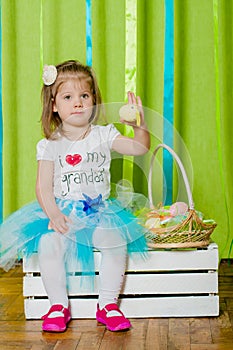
pixel 49 75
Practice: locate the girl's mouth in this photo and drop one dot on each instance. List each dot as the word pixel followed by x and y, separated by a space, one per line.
pixel 78 112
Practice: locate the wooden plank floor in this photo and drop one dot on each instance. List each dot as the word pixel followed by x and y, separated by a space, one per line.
pixel 206 333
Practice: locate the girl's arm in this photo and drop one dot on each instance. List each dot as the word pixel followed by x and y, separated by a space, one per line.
pixel 44 192
pixel 140 144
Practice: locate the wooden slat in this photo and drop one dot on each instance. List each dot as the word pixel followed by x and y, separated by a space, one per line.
pixel 159 260
pixel 136 342
pixel 178 335
pixel 200 331
pixel 157 334
pixel 136 307
pixel 177 283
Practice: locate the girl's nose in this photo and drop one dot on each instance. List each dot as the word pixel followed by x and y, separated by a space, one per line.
pixel 78 102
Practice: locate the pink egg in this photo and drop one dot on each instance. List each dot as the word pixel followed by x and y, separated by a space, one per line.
pixel 178 208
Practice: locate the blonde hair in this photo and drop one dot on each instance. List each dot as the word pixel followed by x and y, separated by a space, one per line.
pixel 50 120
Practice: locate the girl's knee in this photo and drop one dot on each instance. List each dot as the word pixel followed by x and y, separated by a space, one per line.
pixel 51 244
pixel 106 239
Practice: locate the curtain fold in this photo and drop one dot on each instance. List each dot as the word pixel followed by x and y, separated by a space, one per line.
pixel 1 185
pixel 64 37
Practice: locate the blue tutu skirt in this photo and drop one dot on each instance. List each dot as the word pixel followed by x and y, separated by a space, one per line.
pixel 20 233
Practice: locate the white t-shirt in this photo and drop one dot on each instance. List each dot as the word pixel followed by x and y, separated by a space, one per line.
pixel 80 166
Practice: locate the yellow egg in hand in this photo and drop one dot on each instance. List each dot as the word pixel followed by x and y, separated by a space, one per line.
pixel 130 113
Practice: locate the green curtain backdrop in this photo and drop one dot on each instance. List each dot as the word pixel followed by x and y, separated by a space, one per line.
pixel 196 133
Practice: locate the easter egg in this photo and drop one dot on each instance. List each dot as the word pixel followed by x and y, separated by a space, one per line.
pixel 152 223
pixel 129 113
pixel 178 208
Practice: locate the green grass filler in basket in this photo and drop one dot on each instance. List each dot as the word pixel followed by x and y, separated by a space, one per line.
pixel 178 225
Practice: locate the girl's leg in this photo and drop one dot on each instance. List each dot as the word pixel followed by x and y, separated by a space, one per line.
pixel 112 268
pixel 113 262
pixel 52 267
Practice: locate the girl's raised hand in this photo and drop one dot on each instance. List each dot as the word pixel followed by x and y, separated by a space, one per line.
pixel 132 99
pixel 132 114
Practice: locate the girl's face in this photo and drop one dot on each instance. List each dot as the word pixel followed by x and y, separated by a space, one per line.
pixel 74 103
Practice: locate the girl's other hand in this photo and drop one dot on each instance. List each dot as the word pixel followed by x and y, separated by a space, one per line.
pixel 59 223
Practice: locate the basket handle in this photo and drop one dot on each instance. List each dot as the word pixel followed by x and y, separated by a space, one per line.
pixel 186 182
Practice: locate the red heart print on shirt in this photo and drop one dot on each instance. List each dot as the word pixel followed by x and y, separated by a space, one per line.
pixel 73 159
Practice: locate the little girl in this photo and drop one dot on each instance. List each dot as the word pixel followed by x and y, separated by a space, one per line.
pixel 74 213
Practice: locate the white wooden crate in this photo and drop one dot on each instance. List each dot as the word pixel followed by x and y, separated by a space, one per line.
pixel 170 283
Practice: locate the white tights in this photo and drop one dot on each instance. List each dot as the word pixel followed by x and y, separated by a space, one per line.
pixel 111 272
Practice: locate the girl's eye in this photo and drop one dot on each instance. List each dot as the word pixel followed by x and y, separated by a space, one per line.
pixel 67 97
pixel 85 96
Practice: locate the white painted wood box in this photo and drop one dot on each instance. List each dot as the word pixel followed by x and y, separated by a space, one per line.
pixel 170 283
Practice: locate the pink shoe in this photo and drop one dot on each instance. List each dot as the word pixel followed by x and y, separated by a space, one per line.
pixel 112 323
pixel 56 323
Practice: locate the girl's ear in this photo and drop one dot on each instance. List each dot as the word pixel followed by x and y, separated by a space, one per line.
pixel 54 105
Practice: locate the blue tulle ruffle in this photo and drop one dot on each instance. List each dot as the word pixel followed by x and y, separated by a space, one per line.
pixel 20 233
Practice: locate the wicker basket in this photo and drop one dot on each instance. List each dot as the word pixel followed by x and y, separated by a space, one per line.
pixel 192 232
